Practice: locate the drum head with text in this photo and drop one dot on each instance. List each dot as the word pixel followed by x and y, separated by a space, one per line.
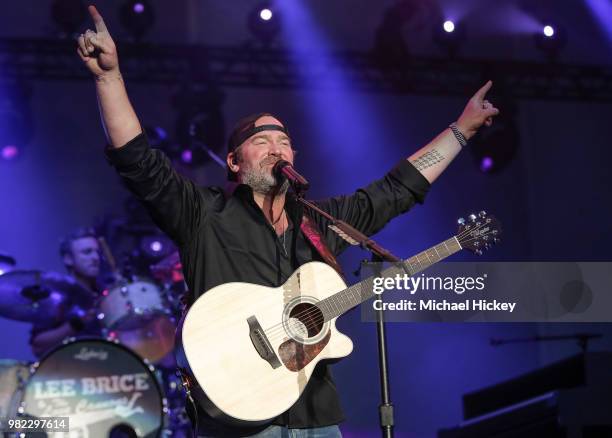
pixel 100 386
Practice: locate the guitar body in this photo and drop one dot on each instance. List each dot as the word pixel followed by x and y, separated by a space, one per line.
pixel 250 350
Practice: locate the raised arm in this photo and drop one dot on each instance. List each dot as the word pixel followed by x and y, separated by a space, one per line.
pixel 433 158
pixel 98 52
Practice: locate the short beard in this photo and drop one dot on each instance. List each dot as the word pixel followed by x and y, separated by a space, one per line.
pixel 264 183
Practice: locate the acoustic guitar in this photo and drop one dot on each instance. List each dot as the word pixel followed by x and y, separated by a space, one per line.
pixel 247 351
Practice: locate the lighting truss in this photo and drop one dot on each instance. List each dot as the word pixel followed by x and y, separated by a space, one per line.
pixel 256 67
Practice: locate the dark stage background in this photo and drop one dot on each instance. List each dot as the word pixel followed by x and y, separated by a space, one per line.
pixel 552 197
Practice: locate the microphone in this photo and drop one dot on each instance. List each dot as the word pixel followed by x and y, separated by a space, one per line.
pixel 284 170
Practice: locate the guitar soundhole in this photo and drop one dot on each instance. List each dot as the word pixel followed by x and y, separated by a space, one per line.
pixel 310 319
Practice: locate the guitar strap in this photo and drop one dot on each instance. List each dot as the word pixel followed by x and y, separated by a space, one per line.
pixel 312 233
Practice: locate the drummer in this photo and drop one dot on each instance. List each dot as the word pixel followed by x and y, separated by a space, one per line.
pixel 80 253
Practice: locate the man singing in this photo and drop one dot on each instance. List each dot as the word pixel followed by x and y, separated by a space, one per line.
pixel 258 233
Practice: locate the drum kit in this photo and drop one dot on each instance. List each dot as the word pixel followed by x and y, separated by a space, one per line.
pixel 121 383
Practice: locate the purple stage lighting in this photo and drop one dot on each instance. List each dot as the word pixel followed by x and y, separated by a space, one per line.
pixel 139 8
pixel 9 152
pixel 265 14
pixel 548 31
pixel 137 17
pixel 486 164
pixel 156 246
pixel 448 26
pixel 187 156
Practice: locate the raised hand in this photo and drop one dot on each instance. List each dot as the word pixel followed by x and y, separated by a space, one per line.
pixel 477 112
pixel 97 49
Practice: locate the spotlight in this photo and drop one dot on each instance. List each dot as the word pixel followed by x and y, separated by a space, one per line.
pixel 138 17
pixel 449 26
pixel 69 15
pixel 138 8
pixel 486 164
pixel 9 152
pixel 187 156
pixel 548 31
pixel 551 40
pixel 154 247
pixel 264 23
pixel 265 14
pixel 449 36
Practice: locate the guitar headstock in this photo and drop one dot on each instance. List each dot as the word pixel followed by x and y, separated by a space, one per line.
pixel 479 232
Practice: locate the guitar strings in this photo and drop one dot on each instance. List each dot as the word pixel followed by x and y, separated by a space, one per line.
pixel 273 331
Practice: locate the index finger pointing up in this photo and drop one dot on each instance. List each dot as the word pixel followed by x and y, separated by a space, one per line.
pixel 97 19
pixel 480 94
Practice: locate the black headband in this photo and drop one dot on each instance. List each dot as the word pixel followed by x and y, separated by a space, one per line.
pixel 243 136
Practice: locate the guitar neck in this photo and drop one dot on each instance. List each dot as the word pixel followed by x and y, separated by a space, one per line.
pixel 343 301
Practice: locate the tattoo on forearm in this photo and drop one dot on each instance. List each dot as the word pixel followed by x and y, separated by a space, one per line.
pixel 428 159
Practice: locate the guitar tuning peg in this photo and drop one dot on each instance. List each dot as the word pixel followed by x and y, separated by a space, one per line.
pixel 482 213
pixel 478 252
pixel 472 217
pixel 461 221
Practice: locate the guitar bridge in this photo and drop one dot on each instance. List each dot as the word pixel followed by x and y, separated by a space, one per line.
pixel 261 343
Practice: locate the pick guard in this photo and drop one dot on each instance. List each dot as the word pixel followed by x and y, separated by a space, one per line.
pixel 295 355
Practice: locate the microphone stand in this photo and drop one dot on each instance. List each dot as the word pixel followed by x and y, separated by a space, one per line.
pixel 379 254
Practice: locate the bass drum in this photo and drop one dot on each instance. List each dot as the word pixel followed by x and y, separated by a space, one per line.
pixel 101 386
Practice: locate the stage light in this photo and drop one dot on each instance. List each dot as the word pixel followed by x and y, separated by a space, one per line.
pixel 486 164
pixel 264 23
pixel 265 14
pixel 551 39
pixel 548 31
pixel 138 8
pixel 68 15
pixel 187 156
pixel 137 17
pixel 9 152
pixel 155 246
pixel 449 36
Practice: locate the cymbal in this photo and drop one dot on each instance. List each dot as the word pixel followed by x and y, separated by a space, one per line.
pixel 37 296
pixel 7 263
